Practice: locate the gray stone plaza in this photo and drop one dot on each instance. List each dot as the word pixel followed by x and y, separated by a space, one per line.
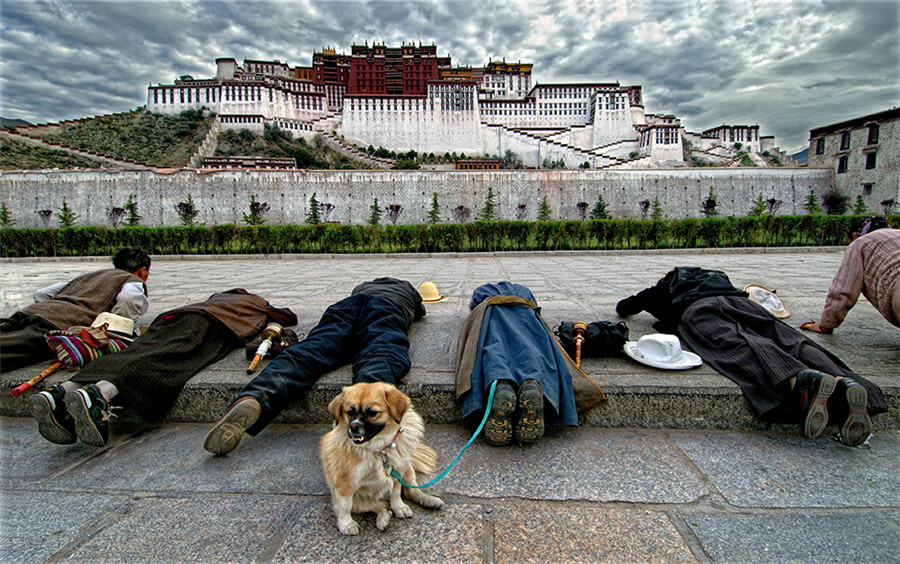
pixel 673 467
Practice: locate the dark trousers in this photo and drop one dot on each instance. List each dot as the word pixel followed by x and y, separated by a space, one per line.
pixel 22 341
pixel 760 353
pixel 369 331
pixel 151 372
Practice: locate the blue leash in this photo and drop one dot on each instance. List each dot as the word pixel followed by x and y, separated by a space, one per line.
pixel 487 412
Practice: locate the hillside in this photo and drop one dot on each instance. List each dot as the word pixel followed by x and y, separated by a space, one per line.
pixel 277 143
pixel 20 156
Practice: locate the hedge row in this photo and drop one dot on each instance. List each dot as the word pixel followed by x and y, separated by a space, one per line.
pixel 764 231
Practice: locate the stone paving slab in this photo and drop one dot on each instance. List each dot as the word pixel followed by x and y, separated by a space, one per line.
pixel 582 495
pixel 567 285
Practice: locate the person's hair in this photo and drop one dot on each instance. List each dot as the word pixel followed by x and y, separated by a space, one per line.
pixel 869 224
pixel 131 260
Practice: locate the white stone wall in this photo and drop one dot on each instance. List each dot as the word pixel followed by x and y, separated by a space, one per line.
pixel 224 196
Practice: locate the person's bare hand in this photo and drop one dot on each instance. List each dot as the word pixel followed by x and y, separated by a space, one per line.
pixel 814 327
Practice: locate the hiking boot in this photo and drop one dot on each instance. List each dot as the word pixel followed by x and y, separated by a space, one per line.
pixel 530 426
pixel 226 433
pixel 814 388
pixel 499 428
pixel 90 410
pixel 54 422
pixel 857 426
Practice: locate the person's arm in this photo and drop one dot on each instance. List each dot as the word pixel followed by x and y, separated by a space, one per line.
pixel 48 292
pixel 131 302
pixel 844 291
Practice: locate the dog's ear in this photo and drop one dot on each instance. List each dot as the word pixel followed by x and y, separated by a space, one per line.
pixel 397 403
pixel 336 407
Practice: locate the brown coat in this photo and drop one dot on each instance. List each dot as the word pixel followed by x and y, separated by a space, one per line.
pixel 245 314
pixel 588 393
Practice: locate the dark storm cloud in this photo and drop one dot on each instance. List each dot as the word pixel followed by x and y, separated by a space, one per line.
pixel 787 65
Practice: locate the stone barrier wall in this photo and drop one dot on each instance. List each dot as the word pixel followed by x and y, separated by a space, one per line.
pixel 224 196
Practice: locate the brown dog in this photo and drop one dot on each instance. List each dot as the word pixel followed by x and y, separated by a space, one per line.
pixel 375 430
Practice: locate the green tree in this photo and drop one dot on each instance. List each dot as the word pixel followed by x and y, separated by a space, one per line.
pixel 375 213
pixel 434 214
pixel 544 210
pixel 600 209
pixel 6 219
pixel 657 212
pixel 488 213
pixel 314 215
pixel 131 207
pixel 257 211
pixel 709 205
pixel 812 206
pixel 187 211
pixel 759 207
pixel 858 209
pixel 66 217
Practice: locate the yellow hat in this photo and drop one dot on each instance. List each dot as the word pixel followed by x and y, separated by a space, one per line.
pixel 430 294
pixel 768 300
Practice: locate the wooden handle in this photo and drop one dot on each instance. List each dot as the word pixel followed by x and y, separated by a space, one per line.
pixel 19 390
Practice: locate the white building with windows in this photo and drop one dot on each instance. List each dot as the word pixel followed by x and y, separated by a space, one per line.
pixel 487 111
pixel 864 153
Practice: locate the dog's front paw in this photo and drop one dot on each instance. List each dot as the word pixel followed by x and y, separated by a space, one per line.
pixel 348 527
pixel 383 520
pixel 401 511
pixel 431 502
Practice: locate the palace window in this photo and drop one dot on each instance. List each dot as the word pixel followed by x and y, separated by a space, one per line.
pixel 870 159
pixel 845 140
pixel 820 145
pixel 873 134
pixel 842 164
pixel 867 189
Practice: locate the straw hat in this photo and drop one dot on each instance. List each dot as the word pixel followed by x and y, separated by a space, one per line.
pixel 115 324
pixel 661 351
pixel 430 294
pixel 767 298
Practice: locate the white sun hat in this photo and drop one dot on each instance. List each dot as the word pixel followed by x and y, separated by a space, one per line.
pixel 767 298
pixel 661 351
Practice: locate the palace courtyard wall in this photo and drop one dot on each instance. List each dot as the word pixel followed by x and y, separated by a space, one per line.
pixel 224 196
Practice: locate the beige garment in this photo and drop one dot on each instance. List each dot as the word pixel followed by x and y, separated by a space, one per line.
pixel 588 393
pixel 871 266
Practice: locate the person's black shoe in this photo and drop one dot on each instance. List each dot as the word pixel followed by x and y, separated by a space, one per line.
pixel 814 388
pixel 857 426
pixel 90 410
pixel 225 435
pixel 54 423
pixel 499 428
pixel 530 426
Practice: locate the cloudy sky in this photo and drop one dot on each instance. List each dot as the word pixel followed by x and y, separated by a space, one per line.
pixel 787 65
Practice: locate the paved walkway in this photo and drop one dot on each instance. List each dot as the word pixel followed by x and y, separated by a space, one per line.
pixel 664 485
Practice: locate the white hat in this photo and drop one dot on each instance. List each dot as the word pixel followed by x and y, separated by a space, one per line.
pixel 767 298
pixel 661 351
pixel 115 323
pixel 430 294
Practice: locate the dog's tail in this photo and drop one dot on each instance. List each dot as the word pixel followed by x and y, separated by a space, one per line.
pixel 424 459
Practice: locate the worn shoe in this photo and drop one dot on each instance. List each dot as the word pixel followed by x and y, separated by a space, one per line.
pixel 90 410
pixel 54 422
pixel 530 426
pixel 226 433
pixel 857 426
pixel 499 428
pixel 814 388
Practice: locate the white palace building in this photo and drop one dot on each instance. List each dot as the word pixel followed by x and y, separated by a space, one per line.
pixel 408 98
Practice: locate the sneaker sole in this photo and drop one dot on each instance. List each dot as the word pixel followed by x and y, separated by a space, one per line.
pixel 499 429
pixel 84 426
pixel 226 435
pixel 817 414
pixel 530 427
pixel 48 426
pixel 857 428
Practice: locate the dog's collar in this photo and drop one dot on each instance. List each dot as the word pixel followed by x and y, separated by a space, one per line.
pixel 392 444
